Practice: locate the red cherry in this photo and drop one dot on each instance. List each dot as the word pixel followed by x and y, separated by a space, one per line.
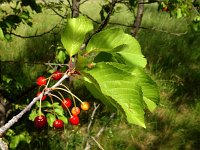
pixel 57 75
pixel 74 120
pixel 41 81
pixel 40 121
pixel 66 103
pixel 58 124
pixel 75 111
pixel 43 97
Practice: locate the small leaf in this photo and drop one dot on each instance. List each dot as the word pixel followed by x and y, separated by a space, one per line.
pixel 64 119
pixel 14 142
pixel 46 104
pixel 61 56
pixel 57 105
pixel 24 136
pixel 50 119
pixel 179 13
pixel 6 79
pixel 59 112
pixel 33 114
pixel 74 34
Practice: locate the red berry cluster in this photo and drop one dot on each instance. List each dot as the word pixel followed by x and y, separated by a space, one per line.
pixel 40 120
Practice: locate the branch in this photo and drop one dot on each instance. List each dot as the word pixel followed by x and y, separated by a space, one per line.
pixel 75 8
pixel 99 145
pixel 138 19
pixel 15 119
pixel 83 2
pixel 159 30
pixel 3 145
pixel 99 133
pixel 96 106
pixel 103 128
pixel 70 5
pixel 53 10
pixel 104 23
pixel 33 36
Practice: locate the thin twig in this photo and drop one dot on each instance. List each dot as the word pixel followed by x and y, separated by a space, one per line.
pixel 103 128
pixel 33 36
pixel 104 23
pixel 54 10
pixel 96 106
pixel 99 145
pixel 83 2
pixel 159 30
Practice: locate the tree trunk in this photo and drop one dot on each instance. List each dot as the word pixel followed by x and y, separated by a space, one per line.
pixel 75 8
pixel 138 18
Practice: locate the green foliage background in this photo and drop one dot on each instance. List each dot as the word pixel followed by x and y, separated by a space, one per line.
pixel 173 61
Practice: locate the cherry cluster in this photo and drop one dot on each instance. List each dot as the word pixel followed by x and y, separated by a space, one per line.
pixel 68 104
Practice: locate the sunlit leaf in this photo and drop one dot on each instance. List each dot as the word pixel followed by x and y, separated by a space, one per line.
pixel 33 114
pixel 63 118
pixel 61 56
pixel 122 87
pixel 59 112
pixel 50 119
pixel 116 41
pixel 74 34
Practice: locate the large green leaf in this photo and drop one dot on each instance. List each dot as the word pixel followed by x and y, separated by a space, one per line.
pixel 122 87
pixel 96 92
pixel 74 34
pixel 149 88
pixel 111 40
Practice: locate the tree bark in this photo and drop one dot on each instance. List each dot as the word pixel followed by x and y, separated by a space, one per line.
pixel 138 18
pixel 75 8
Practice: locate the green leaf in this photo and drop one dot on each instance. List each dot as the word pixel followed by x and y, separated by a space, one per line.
pixel 61 56
pixel 24 136
pixel 57 105
pixel 179 13
pixel 50 119
pixel 14 142
pixel 1 34
pixel 110 41
pixel 74 34
pixel 96 92
pixel 46 104
pixel 59 112
pixel 6 79
pixel 33 114
pixel 64 119
pixel 149 88
pixel 122 87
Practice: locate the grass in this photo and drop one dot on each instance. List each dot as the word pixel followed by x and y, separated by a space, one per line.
pixel 173 61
